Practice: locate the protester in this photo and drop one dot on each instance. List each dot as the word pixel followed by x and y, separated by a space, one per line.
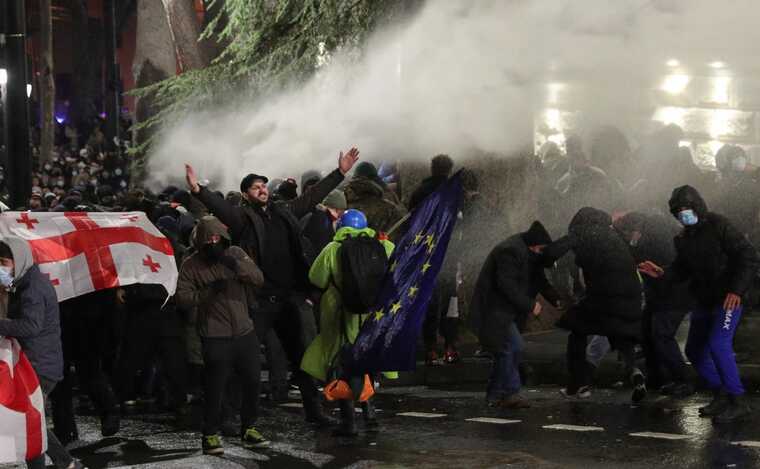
pixel 366 192
pixel 319 226
pixel 215 285
pixel 506 290
pixel 33 319
pixel 719 264
pixel 338 324
pixel 259 226
pixel 613 302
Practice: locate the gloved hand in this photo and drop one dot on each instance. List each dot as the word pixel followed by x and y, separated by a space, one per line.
pixel 229 262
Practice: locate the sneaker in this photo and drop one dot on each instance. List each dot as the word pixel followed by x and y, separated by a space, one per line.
pixel 432 358
pixel 212 444
pixel 583 392
pixel 639 388
pixel 716 407
pixel 253 439
pixel 737 410
pixel 451 356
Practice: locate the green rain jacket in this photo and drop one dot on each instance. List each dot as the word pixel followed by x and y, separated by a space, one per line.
pixel 325 274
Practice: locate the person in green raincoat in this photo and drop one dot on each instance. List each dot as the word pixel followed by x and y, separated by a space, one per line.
pixel 325 274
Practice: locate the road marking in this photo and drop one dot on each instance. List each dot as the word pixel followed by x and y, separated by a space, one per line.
pixel 316 459
pixel 492 420
pixel 573 428
pixel 423 415
pixel 661 436
pixel 748 444
pixel 294 405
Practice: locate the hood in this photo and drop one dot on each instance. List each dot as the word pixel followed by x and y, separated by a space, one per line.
pixel 687 196
pixel 22 255
pixel 361 187
pixel 589 217
pixel 206 228
pixel 347 232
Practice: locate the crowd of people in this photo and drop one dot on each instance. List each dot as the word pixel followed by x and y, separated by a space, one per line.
pixel 268 267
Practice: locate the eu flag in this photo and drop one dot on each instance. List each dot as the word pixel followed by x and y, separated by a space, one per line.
pixel 388 338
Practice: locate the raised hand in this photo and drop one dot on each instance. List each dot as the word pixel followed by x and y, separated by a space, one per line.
pixel 348 160
pixel 192 179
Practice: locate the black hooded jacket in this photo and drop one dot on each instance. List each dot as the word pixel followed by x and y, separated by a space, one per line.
pixel 713 255
pixel 612 305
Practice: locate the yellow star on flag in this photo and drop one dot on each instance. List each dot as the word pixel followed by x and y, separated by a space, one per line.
pixel 429 240
pixel 431 247
pixel 418 238
pixel 394 265
pixel 413 292
pixel 425 267
pixel 395 307
pixel 379 314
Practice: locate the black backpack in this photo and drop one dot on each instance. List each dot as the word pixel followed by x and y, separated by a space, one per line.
pixel 363 263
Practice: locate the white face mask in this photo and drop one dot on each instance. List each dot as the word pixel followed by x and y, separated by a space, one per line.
pixel 6 277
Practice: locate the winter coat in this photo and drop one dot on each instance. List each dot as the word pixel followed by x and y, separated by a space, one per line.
pixel 426 187
pixel 366 195
pixel 33 316
pixel 713 255
pixel 506 290
pixel 613 302
pixel 325 274
pixel 217 297
pixel 317 227
pixel 739 201
pixel 247 227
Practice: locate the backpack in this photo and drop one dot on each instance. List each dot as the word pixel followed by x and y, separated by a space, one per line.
pixel 363 263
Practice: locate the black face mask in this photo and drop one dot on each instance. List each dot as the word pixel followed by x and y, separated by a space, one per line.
pixel 213 251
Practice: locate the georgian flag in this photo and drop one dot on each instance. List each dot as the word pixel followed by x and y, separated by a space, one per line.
pixel 23 433
pixel 83 252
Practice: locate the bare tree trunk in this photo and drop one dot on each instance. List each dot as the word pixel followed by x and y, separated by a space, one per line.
pixel 47 81
pixel 185 30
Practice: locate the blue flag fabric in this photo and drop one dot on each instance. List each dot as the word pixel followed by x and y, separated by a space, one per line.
pixel 388 338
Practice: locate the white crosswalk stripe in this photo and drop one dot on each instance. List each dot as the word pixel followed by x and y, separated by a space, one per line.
pixel 661 436
pixel 747 444
pixel 492 420
pixel 423 415
pixel 573 428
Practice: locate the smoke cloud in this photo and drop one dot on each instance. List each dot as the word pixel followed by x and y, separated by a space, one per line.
pixel 462 75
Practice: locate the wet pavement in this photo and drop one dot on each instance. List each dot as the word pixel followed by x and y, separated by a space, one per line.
pixel 452 427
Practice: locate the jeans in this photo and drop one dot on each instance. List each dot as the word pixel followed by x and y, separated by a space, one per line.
pixel 710 348
pixel 61 458
pixel 505 375
pixel 665 361
pixel 222 355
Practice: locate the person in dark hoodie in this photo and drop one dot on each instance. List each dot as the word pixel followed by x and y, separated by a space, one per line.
pixel 216 283
pixel 366 192
pixel 612 305
pixel 269 233
pixel 506 290
pixel 720 264
pixel 33 319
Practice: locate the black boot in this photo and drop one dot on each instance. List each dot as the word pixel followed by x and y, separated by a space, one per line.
pixel 347 426
pixel 110 423
pixel 314 415
pixel 718 405
pixel 369 415
pixel 737 409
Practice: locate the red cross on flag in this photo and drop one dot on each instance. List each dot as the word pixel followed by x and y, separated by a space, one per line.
pixel 83 252
pixel 23 433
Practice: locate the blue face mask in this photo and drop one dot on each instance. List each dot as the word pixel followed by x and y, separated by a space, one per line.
pixel 688 217
pixel 6 279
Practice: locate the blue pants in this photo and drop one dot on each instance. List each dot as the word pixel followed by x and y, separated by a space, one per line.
pixel 710 348
pixel 505 375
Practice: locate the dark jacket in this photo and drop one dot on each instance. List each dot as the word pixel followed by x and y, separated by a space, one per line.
pixel 713 255
pixel 246 223
pixel 368 196
pixel 218 293
pixel 612 305
pixel 506 290
pixel 33 316
pixel 426 187
pixel 317 227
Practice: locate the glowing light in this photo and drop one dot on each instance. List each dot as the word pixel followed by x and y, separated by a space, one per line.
pixel 717 64
pixel 684 144
pixel 552 119
pixel 554 90
pixel 715 145
pixel 720 123
pixel 3 76
pixel 673 63
pixel 28 90
pixel 60 119
pixel 720 90
pixel 670 115
pixel 675 84
pixel 559 139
